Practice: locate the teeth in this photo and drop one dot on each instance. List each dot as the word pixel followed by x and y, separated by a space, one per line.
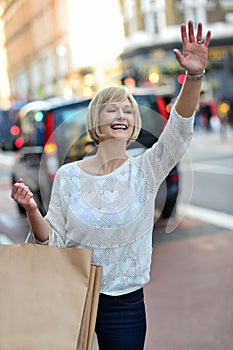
pixel 122 127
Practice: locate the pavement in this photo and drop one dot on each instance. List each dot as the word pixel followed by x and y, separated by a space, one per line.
pixel 189 299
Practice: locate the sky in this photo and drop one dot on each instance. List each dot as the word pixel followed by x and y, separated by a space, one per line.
pixel 96 31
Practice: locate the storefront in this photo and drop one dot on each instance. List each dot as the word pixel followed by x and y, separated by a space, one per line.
pixel 156 67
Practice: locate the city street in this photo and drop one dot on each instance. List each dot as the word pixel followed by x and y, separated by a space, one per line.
pixel 207 174
pixel 189 299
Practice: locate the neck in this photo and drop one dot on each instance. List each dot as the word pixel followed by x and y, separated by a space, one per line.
pixel 110 150
pixel 110 156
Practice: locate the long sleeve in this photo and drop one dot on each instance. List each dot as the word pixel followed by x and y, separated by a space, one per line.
pixel 56 212
pixel 171 145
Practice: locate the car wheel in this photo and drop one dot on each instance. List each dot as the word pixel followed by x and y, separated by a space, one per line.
pixel 169 208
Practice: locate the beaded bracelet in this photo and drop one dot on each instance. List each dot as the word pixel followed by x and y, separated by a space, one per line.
pixel 195 76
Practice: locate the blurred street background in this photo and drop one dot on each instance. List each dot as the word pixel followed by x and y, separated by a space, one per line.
pixel 60 50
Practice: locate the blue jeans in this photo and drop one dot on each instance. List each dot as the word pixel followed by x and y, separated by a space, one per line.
pixel 121 322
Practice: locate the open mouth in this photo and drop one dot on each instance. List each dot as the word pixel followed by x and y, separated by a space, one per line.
pixel 119 127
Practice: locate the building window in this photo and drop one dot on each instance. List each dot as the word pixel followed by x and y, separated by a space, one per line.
pixel 35 75
pixel 22 84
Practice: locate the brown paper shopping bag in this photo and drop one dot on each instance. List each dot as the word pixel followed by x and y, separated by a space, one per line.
pixel 48 297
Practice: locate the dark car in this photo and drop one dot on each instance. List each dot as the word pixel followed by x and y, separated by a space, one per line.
pixel 54 133
pixel 9 129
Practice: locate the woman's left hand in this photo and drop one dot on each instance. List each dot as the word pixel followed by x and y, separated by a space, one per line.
pixel 195 49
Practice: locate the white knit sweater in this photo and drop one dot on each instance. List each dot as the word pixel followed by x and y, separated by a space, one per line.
pixel 113 214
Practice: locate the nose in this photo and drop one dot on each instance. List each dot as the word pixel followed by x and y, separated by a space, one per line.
pixel 121 114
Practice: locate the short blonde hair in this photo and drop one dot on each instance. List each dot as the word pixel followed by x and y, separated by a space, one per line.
pixel 104 97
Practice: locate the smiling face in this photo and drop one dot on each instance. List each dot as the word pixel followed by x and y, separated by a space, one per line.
pixel 113 105
pixel 116 120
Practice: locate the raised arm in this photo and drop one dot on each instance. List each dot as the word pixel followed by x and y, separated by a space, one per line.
pixel 193 60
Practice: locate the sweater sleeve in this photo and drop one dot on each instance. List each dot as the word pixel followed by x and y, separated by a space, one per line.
pixel 56 211
pixel 170 147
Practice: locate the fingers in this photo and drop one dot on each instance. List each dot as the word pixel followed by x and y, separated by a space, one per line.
pixel 190 37
pixel 183 33
pixel 21 192
pixel 207 39
pixel 191 31
pixel 178 54
pixel 199 32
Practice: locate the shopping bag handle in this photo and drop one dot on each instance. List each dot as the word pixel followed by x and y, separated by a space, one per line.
pixel 54 239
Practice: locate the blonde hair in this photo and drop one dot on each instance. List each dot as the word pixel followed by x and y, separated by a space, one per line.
pixel 104 97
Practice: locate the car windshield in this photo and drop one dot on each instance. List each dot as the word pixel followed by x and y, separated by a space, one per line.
pixel 70 126
pixel 70 115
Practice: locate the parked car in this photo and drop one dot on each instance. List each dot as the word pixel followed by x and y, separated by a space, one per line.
pixel 54 133
pixel 9 129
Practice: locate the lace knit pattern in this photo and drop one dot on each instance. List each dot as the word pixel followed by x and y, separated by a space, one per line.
pixel 113 214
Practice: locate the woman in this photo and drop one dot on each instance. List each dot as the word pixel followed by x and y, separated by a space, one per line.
pixel 106 202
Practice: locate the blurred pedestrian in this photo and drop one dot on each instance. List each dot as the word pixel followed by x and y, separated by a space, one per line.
pixel 106 202
pixel 223 112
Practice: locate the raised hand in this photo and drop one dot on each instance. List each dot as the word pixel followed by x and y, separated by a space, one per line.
pixel 195 49
pixel 22 195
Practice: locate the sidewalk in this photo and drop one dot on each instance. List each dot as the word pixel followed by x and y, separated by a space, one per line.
pixel 218 143
pixel 190 297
